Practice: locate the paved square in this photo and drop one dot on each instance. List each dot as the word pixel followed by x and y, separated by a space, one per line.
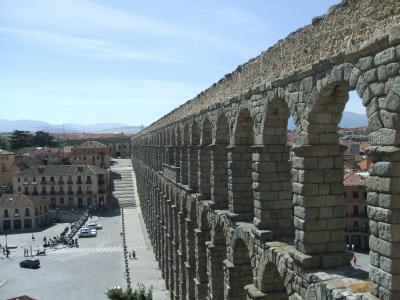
pixel 85 272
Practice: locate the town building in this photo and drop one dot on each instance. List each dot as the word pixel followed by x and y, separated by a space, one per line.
pixel 357 229
pixel 22 212
pixel 65 186
pixel 119 143
pixel 8 169
pixel 89 153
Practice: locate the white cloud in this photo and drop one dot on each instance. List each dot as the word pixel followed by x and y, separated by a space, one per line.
pixel 80 16
pixel 87 47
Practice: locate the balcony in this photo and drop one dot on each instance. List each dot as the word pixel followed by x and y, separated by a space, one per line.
pixel 43 182
pixel 101 181
pixel 43 193
pixel 88 182
pixel 34 182
pixel 60 182
pixel 70 193
pixel 52 182
pixel 89 192
pixel 79 192
pixel 26 182
pixel 102 191
pixel 52 193
pixel 35 193
pixel 61 193
pixel 79 182
pixel 26 193
pixel 70 182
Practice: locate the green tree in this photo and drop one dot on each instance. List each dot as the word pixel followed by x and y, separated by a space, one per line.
pixel 138 294
pixel 43 139
pixel 20 139
pixel 4 144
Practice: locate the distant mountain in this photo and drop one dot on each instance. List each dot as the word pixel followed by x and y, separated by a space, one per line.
pixel 349 120
pixel 30 125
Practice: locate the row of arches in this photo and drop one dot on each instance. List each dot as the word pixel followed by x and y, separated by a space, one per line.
pixel 237 159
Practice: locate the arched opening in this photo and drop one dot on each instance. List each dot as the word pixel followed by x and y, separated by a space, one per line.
pixel 191 224
pixel 273 193
pixel 202 237
pixel 204 160
pixel 184 155
pixel 178 146
pixel 272 284
pixel 240 166
pixel 193 158
pixel 216 254
pixel 241 273
pixel 219 164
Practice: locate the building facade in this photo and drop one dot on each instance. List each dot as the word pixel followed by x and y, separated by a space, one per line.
pixel 90 153
pixel 355 193
pixel 82 186
pixel 8 168
pixel 119 143
pixel 21 212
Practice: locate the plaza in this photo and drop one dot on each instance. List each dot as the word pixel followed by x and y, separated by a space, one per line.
pixel 85 272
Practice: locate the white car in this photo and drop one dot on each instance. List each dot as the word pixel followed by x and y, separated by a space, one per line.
pixel 84 232
pixel 94 226
pixel 93 232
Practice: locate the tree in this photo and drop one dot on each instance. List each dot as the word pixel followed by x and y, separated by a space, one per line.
pixel 4 144
pixel 138 294
pixel 43 139
pixel 20 139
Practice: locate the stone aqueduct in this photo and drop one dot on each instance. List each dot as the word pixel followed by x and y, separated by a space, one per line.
pixel 233 212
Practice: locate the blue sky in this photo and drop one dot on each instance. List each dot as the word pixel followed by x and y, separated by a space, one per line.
pixel 78 61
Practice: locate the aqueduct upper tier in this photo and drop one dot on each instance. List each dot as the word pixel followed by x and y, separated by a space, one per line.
pixel 234 212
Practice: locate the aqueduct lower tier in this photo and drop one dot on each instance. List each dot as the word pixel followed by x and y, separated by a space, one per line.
pixel 233 212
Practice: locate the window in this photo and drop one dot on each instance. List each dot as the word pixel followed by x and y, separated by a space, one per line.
pixel 355 195
pixel 19 179
pixel 365 195
pixel 355 210
pixel 355 225
pixel 27 213
pixel 16 212
pixel 25 179
pixel 62 200
pixel 345 195
pixel 365 211
pixel 19 189
pixel 33 179
pixel 3 167
pixel 43 179
pixel 52 179
pixel 26 192
pixel 6 213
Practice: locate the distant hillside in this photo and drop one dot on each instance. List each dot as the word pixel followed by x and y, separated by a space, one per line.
pixel 349 120
pixel 30 125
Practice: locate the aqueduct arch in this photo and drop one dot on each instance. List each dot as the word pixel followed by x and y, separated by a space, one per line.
pixel 258 216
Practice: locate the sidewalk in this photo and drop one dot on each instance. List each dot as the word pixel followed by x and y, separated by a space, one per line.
pixel 144 269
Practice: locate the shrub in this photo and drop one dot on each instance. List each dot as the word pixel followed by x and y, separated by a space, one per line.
pixel 139 293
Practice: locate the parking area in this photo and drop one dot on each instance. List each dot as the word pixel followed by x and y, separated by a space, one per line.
pixel 66 272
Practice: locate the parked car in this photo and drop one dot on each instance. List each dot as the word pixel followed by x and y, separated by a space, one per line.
pixel 84 232
pixel 93 232
pixel 30 264
pixel 94 226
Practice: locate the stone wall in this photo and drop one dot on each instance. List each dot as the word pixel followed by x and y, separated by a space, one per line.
pixel 234 212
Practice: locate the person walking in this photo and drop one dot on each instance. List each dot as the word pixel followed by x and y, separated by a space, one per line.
pixel 355 260
pixel 33 237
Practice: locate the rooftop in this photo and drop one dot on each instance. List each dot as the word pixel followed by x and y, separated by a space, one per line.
pixel 91 144
pixel 14 200
pixel 62 170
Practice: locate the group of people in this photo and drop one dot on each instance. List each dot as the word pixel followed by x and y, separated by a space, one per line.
pixel 132 254
pixel 6 251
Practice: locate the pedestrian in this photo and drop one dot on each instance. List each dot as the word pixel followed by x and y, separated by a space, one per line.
pixel 133 254
pixel 33 237
pixel 348 246
pixel 8 253
pixel 352 247
pixel 355 260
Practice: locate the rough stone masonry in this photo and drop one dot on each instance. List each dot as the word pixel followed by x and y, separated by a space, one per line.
pixel 233 212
